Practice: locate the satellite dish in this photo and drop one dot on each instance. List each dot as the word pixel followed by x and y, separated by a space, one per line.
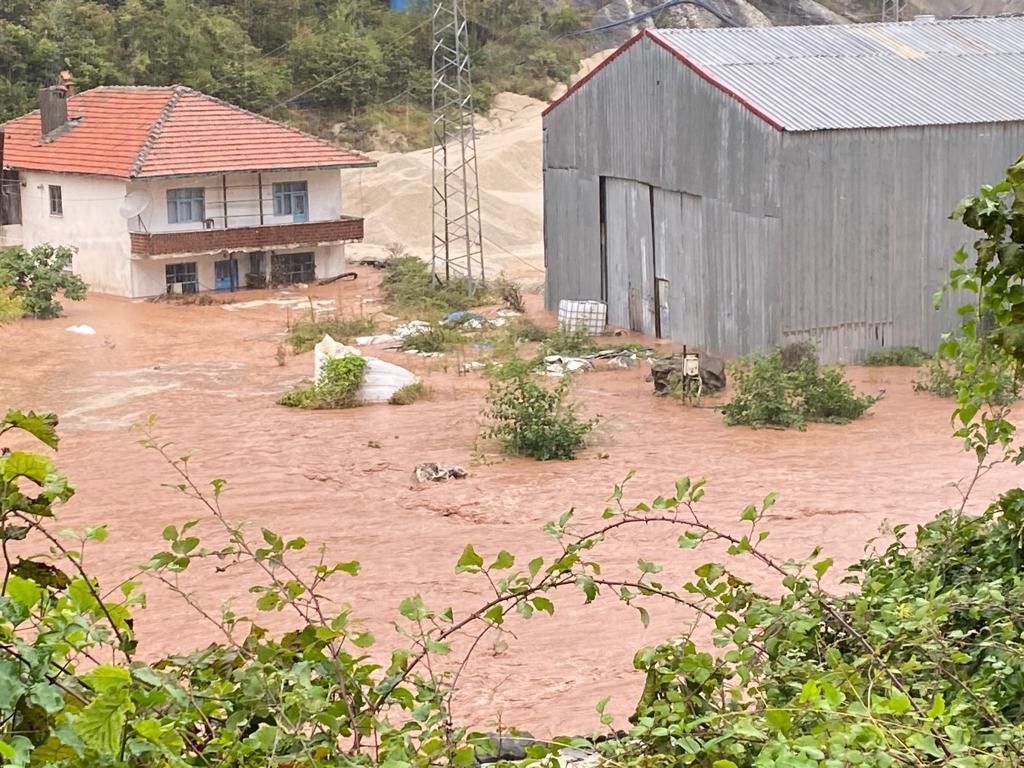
pixel 134 203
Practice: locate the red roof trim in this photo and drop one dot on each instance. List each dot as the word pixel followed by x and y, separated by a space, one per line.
pixel 586 78
pixel 690 64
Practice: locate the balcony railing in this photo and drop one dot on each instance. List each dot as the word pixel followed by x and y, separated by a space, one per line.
pixel 343 229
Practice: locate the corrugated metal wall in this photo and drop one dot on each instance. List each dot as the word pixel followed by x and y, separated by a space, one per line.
pixel 758 236
pixel 666 144
pixel 867 231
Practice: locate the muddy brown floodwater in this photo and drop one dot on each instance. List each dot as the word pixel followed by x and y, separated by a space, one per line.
pixel 209 375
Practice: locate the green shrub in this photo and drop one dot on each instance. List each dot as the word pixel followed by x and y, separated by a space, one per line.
pixel 787 388
pixel 529 419
pixel 436 338
pixel 35 278
pixel 340 379
pixel 10 306
pixel 410 289
pixel 910 357
pixel 946 377
pixel 562 341
pixel 306 333
pixel 764 393
pixel 408 394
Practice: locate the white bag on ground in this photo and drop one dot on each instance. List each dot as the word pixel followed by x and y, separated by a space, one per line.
pixel 381 379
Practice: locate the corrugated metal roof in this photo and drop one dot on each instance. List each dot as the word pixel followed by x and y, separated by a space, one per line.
pixel 865 75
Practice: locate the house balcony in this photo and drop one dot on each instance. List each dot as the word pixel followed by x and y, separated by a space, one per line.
pixel 149 245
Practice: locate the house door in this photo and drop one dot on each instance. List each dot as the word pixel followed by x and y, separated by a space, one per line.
pixel 225 274
pixel 629 256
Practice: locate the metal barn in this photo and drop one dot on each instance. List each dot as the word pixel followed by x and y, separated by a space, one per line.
pixel 736 188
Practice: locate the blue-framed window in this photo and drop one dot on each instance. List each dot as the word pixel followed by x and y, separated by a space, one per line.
pixel 291 198
pixel 186 205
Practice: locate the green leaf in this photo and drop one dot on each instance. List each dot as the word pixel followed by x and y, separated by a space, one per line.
pixel 938 706
pixel 363 639
pixel 723 764
pixel 413 608
pixel 503 561
pixel 690 540
pixel 16 753
pixel 749 514
pixel 23 591
pixel 543 604
pixel 47 696
pixel 470 561
pixel 646 566
pixel 898 703
pixel 99 725
pixel 588 587
pixel 31 466
pixel 822 566
pixel 645 617
pixel 779 719
pixel 535 565
pixel 42 426
pixel 11 686
pixel 107 677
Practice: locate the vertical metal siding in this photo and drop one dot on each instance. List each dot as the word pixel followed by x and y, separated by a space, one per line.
pixel 838 236
pixel 647 119
pixel 866 234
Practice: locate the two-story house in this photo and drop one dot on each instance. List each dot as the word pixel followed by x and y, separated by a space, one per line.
pixel 165 189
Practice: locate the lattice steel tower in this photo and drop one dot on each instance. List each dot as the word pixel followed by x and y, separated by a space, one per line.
pixel 891 9
pixel 457 245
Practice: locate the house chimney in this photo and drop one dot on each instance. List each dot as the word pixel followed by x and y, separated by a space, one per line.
pixel 53 110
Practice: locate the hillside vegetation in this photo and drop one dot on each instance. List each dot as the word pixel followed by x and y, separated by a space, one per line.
pixel 316 63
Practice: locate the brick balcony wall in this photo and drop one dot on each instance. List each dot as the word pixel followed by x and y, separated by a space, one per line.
pixel 348 228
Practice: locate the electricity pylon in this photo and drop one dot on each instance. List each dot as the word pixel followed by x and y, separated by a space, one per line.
pixel 457 245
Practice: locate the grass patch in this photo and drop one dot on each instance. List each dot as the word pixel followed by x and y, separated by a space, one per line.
pixel 408 394
pixel 410 290
pixel 911 357
pixel 562 341
pixel 788 388
pixel 436 338
pixel 306 333
pixel 340 379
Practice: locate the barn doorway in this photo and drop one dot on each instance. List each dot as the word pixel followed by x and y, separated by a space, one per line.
pixel 629 257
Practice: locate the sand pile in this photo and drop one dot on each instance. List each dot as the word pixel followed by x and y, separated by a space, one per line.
pixel 395 197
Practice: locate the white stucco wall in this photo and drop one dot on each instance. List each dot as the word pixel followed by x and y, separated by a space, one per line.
pixel 149 276
pixel 243 199
pixel 90 223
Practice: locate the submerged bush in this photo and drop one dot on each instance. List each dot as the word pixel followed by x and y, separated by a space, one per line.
pixel 910 357
pixel 977 367
pixel 410 289
pixel 530 419
pixel 35 278
pixel 340 379
pixel 570 343
pixel 436 338
pixel 306 333
pixel 787 388
pixel 408 394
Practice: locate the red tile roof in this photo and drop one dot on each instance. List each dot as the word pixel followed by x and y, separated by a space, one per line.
pixel 149 132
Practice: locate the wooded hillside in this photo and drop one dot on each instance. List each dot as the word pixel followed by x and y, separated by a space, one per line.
pixel 315 62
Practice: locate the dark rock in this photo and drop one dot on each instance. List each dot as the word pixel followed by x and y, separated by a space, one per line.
pixel 506 747
pixel 667 373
